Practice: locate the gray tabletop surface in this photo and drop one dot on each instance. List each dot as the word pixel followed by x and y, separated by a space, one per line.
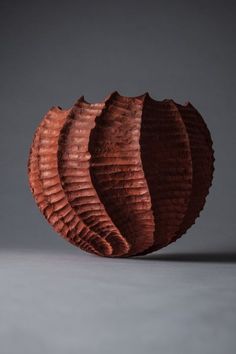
pixel 70 302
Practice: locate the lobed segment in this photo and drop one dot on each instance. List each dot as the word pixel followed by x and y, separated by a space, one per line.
pixel 123 177
pixel 117 172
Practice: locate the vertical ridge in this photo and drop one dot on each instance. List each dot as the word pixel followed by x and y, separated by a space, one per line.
pixel 117 171
pixel 44 175
pixel 166 159
pixel 202 157
pixel 74 170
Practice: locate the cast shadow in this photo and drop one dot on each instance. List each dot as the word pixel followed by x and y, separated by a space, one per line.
pixel 208 257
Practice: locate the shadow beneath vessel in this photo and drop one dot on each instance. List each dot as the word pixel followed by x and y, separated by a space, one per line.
pixel 219 257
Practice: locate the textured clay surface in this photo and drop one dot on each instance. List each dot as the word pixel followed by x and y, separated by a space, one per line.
pixel 123 177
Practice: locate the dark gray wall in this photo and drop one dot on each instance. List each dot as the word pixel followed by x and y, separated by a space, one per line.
pixel 52 52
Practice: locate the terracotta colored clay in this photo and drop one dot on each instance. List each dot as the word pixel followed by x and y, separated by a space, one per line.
pixel 123 177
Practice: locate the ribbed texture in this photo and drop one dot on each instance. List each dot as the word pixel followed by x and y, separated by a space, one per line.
pixel 123 177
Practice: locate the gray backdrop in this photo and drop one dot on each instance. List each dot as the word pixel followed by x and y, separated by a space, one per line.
pixel 51 53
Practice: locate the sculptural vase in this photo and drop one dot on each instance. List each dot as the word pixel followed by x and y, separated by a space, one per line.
pixel 123 177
